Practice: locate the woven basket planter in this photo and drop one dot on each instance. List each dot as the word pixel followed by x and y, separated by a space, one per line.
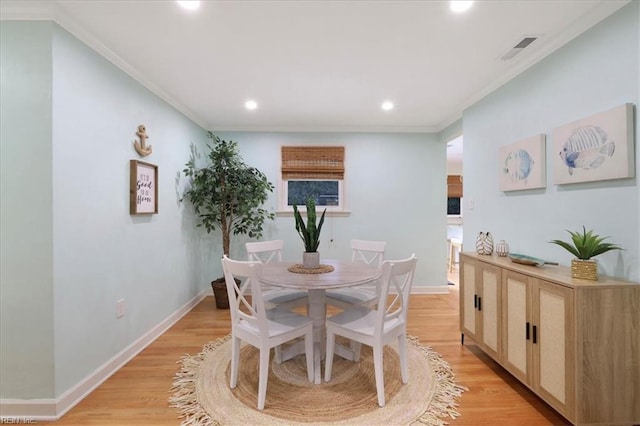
pixel 584 269
pixel 220 293
pixel 219 287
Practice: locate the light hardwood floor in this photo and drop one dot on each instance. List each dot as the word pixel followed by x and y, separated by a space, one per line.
pixel 138 393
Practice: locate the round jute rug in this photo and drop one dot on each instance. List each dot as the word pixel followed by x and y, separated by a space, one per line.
pixel 202 395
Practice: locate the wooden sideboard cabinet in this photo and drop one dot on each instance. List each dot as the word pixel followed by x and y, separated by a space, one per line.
pixel 480 298
pixel 575 343
pixel 538 337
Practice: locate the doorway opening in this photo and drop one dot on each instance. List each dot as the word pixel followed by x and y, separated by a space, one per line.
pixel 455 202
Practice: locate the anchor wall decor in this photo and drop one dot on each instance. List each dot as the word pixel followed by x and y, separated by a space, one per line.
pixel 140 146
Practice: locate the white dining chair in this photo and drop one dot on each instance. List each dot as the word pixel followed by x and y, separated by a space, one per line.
pixel 369 253
pixel 257 326
pixel 378 327
pixel 267 252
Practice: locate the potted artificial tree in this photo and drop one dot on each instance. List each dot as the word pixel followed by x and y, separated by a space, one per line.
pixel 310 233
pixel 585 245
pixel 227 194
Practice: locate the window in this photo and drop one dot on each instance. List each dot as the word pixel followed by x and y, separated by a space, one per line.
pixel 454 195
pixel 453 206
pixel 312 171
pixel 325 192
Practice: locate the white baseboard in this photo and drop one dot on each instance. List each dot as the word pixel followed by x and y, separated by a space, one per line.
pixel 26 411
pixel 430 289
pixel 427 289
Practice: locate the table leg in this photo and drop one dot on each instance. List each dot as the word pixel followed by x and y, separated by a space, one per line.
pixel 317 311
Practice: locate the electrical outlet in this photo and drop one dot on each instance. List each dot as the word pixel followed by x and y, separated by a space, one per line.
pixel 120 308
pixel 472 203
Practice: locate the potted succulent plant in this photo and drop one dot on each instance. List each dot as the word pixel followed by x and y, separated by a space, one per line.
pixel 310 233
pixel 227 194
pixel 585 245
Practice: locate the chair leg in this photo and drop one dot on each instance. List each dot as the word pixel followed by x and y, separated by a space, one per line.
pixel 308 347
pixel 235 360
pixel 278 354
pixel 263 375
pixel 379 370
pixel 328 360
pixel 402 352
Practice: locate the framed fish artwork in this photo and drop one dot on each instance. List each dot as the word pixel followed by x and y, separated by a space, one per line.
pixel 599 147
pixel 522 164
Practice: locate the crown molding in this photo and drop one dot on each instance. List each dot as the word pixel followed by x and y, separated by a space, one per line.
pixel 48 10
pixel 601 11
pixel 326 129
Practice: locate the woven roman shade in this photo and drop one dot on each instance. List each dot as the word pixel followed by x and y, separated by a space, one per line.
pixel 454 186
pixel 312 162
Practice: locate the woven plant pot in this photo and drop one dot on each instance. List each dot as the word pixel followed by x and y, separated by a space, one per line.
pixel 220 293
pixel 219 287
pixel 584 269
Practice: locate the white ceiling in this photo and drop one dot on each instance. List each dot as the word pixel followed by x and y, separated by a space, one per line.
pixel 320 65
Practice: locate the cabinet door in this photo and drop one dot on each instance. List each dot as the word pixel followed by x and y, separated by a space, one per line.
pixel 516 324
pixel 488 312
pixel 468 297
pixel 553 345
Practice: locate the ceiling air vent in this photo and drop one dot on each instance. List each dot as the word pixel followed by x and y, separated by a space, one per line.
pixel 518 48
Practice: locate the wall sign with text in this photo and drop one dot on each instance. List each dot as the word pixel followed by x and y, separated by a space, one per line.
pixel 143 188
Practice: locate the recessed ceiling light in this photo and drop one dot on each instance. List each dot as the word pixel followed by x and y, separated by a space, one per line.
pixel 387 105
pixel 461 6
pixel 189 4
pixel 251 105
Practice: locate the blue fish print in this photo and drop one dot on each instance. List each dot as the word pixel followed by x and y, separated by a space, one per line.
pixel 586 148
pixel 517 165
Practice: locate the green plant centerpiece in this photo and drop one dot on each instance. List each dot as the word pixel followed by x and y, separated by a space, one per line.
pixel 585 245
pixel 227 194
pixel 310 233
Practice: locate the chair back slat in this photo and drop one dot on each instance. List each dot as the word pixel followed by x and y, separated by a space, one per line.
pixel 265 251
pixel 368 252
pixel 253 312
pixel 395 288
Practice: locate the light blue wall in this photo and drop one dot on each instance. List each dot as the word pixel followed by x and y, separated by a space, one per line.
pixel 451 132
pixel 595 72
pixel 102 253
pixel 395 189
pixel 26 256
pixel 71 249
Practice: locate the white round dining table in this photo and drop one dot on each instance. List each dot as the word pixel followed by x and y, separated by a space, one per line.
pixel 345 274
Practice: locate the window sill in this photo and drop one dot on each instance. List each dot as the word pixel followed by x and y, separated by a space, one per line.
pixel 454 220
pixel 330 213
